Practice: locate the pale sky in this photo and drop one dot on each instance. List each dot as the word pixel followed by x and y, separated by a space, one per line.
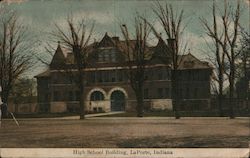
pixel 41 15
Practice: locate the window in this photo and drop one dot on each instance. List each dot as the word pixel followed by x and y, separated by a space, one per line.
pixel 187 92
pixel 70 96
pixel 146 75
pixel 77 94
pixel 113 76
pixel 46 97
pixel 56 96
pixel 106 76
pixel 180 93
pixel 92 77
pixel 113 57
pixel 100 57
pixel 106 57
pixel 110 57
pixel 168 74
pixel 113 79
pixel 167 93
pixel 96 96
pixel 99 76
pixel 160 93
pixel 146 94
pixel 195 92
pixel 119 74
pixel 160 76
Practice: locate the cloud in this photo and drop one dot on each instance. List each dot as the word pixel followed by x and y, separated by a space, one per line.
pixel 103 18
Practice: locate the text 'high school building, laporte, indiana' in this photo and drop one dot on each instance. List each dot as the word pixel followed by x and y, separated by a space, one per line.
pixel 107 85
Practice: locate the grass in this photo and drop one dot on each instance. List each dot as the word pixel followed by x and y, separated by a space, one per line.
pixel 171 114
pixel 112 133
pixel 184 142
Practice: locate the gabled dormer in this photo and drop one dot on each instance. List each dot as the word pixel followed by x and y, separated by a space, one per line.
pixel 106 41
pixel 58 59
pixel 189 61
pixel 106 51
pixel 161 52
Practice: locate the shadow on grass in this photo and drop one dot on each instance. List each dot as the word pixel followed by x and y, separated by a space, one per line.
pixel 184 142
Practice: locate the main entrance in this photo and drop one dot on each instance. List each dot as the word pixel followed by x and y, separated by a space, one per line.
pixel 117 101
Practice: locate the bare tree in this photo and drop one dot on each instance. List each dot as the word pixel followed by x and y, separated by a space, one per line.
pixel 243 67
pixel 172 23
pixel 15 52
pixel 137 54
pixel 218 58
pixel 76 39
pixel 228 43
pixel 245 53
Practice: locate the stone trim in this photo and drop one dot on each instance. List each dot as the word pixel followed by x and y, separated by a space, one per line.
pixel 117 89
pixel 97 89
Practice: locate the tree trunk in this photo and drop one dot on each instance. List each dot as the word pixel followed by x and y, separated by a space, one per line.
pixel 139 99
pixel 174 95
pixel 231 89
pixel 82 98
pixel 5 96
pixel 82 106
pixel 231 99
pixel 220 96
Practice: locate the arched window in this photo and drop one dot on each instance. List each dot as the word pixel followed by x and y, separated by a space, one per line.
pixel 96 95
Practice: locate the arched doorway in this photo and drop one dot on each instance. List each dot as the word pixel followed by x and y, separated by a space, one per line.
pixel 96 96
pixel 96 99
pixel 117 99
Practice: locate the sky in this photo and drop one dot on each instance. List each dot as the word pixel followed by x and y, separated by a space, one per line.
pixel 40 16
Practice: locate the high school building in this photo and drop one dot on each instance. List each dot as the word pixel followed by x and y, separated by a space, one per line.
pixel 107 85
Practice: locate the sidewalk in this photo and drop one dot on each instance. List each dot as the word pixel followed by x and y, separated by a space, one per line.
pixel 70 117
pixel 95 117
pixel 89 115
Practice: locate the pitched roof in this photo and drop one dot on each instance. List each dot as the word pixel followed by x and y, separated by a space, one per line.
pixel 106 41
pixel 43 74
pixel 189 61
pixel 161 52
pixel 59 56
pixel 120 45
pixel 156 53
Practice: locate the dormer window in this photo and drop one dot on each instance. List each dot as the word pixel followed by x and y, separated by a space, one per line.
pixel 100 57
pixel 188 64
pixel 107 55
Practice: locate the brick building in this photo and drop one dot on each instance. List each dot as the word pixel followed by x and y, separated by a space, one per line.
pixel 107 86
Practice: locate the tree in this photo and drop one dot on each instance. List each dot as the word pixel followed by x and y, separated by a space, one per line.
pixel 228 44
pixel 15 52
pixel 23 87
pixel 243 66
pixel 218 56
pixel 76 39
pixel 137 54
pixel 24 91
pixel 245 53
pixel 172 24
